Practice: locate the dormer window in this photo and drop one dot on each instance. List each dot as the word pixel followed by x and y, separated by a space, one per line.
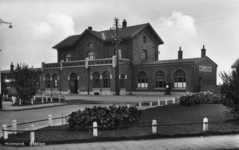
pixel 90 45
pixel 67 57
pixel 144 39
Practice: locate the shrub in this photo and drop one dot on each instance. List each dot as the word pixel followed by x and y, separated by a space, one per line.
pixel 230 93
pixel 206 97
pixel 105 117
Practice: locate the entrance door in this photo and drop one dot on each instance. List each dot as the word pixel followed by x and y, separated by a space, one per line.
pixel 73 83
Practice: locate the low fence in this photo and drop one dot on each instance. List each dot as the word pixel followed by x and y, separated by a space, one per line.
pixel 42 98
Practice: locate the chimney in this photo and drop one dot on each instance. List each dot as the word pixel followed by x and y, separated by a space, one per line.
pixel 124 24
pixel 12 66
pixel 203 52
pixel 90 28
pixel 180 53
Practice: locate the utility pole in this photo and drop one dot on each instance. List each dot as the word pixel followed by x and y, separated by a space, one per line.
pixel 117 41
pixel 10 26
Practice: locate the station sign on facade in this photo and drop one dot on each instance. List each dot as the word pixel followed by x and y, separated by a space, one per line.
pixel 205 68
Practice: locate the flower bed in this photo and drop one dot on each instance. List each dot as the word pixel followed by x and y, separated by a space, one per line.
pixel 206 97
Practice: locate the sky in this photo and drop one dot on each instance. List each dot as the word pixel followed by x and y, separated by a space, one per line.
pixel 38 25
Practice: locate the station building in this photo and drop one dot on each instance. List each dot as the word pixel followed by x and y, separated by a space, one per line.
pixel 87 65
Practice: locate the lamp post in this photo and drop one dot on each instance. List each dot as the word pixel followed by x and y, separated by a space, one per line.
pixel 10 26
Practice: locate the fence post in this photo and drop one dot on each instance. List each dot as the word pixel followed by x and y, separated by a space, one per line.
pixel 154 127
pixel 205 124
pixel 59 98
pixel 62 118
pixel 20 102
pixel 32 135
pixel 166 102
pixel 42 100
pixel 95 134
pixel 34 98
pixel 5 134
pixel 158 102
pixel 140 107
pixel 174 101
pixel 150 104
pixel 51 99
pixel 32 101
pixel 14 126
pixel 46 98
pixel 50 120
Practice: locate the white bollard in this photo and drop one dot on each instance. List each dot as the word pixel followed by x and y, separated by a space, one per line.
pixel 32 101
pixel 128 105
pixel 42 100
pixel 34 98
pixel 5 133
pixel 51 99
pixel 14 126
pixel 158 102
pixel 174 101
pixel 32 135
pixel 150 104
pixel 95 134
pixel 205 124
pixel 13 100
pixel 166 102
pixel 154 127
pixel 140 106
pixel 59 98
pixel 50 120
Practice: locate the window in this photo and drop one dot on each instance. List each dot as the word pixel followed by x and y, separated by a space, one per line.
pixel 179 79
pixel 142 80
pixel 96 80
pixel 119 51
pixel 67 57
pixel 122 81
pixel 90 55
pixel 160 79
pixel 48 81
pixel 90 45
pixel 144 55
pixel 106 79
pixel 144 39
pixel 54 81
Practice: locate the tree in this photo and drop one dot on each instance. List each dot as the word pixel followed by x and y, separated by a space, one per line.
pixel 230 93
pixel 24 80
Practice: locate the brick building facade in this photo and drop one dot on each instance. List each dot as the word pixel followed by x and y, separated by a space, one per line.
pixel 86 65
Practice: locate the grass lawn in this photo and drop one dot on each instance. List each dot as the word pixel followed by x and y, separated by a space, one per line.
pixel 170 114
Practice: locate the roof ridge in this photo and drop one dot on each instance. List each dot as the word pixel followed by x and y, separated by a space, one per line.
pixel 125 27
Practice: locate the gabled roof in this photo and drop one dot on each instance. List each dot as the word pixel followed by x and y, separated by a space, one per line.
pixel 173 61
pixel 107 35
pixel 235 64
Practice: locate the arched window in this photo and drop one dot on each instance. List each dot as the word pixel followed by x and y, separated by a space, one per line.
pixel 90 55
pixel 160 79
pixel 96 80
pixel 48 81
pixel 142 80
pixel 67 57
pixel 144 54
pixel 90 45
pixel 122 81
pixel 54 81
pixel 106 79
pixel 179 79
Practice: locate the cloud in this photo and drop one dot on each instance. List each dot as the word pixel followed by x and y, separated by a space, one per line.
pixel 56 25
pixel 177 25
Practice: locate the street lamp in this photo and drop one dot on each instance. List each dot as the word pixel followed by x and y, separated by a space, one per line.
pixel 10 26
